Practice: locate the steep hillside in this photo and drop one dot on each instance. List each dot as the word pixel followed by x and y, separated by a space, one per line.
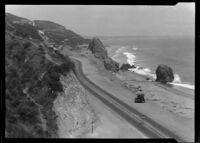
pixel 34 75
pixel 32 84
pixel 52 33
pixel 22 27
pixel 58 35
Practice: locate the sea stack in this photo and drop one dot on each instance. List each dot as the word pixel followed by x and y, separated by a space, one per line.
pixel 97 48
pixel 100 52
pixel 164 74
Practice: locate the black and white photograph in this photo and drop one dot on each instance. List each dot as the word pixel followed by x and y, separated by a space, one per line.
pixel 100 71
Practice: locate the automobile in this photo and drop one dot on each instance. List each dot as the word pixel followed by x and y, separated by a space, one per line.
pixel 140 98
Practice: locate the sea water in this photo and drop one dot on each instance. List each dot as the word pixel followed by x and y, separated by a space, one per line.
pixel 146 53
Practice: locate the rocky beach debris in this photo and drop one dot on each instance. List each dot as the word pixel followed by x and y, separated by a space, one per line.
pixel 125 67
pixel 164 74
pixel 100 52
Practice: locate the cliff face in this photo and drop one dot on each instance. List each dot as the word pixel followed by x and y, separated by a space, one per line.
pixel 75 115
pixel 31 86
pixel 100 52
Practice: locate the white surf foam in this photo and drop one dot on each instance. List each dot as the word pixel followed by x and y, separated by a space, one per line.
pixel 183 85
pixel 177 78
pixel 177 82
pixel 130 58
pixel 134 48
pixel 118 52
pixel 147 70
pixel 143 71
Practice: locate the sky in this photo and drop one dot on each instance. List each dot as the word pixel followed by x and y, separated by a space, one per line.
pixel 114 20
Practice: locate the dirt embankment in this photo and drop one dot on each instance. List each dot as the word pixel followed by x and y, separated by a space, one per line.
pixel 75 115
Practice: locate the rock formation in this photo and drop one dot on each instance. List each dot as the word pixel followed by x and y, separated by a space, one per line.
pixel 164 74
pixel 126 67
pixel 98 49
pixel 111 65
pixel 100 52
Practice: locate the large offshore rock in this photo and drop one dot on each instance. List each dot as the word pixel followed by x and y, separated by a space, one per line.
pixel 164 74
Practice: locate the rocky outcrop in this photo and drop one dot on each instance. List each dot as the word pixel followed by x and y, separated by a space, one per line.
pixel 164 74
pixel 100 52
pixel 98 49
pixel 111 65
pixel 125 67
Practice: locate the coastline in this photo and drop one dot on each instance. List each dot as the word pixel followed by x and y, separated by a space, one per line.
pixel 160 105
pixel 133 55
pixel 186 93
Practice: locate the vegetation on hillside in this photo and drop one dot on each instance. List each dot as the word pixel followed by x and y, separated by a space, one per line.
pixel 56 34
pixel 59 35
pixel 32 84
pixel 26 31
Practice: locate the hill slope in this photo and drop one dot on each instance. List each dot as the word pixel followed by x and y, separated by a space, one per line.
pixel 33 72
pixel 54 34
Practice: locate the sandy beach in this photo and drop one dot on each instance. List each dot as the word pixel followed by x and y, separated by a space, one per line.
pixel 167 107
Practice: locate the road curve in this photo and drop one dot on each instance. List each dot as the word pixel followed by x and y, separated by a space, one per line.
pixel 143 123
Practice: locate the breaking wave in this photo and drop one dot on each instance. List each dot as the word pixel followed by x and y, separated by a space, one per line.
pixel 131 59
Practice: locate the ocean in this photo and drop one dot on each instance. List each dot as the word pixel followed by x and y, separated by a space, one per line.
pixel 146 53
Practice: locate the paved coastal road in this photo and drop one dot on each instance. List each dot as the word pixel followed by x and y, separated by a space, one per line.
pixel 143 123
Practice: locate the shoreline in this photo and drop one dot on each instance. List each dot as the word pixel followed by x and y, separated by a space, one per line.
pixel 167 86
pixel 131 58
pixel 160 103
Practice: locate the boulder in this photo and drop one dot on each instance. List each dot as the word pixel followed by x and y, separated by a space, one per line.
pixel 164 74
pixel 126 67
